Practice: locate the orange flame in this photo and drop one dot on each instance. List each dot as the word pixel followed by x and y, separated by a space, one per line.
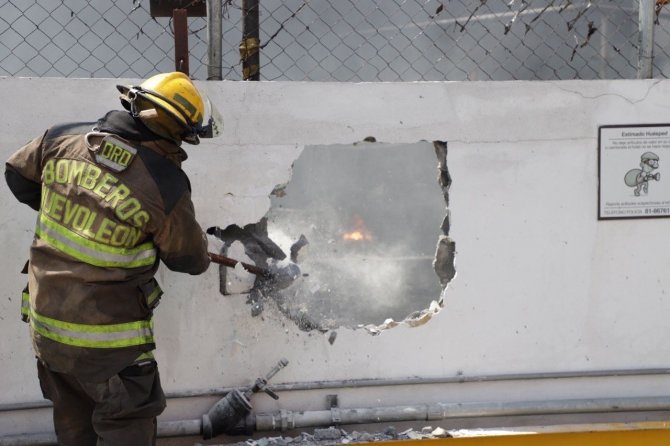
pixel 360 231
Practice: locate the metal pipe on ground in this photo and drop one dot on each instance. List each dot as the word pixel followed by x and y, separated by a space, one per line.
pixel 287 420
pixel 387 382
pixel 42 439
pixel 166 429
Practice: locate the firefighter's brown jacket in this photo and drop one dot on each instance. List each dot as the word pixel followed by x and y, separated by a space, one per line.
pixel 113 202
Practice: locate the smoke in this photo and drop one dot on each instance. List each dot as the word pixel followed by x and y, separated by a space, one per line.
pixel 372 214
pixel 352 282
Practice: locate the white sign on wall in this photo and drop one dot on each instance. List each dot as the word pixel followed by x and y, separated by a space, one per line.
pixel 630 164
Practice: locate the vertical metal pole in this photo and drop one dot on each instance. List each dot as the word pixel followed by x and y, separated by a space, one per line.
pixel 646 47
pixel 214 39
pixel 180 21
pixel 604 46
pixel 250 41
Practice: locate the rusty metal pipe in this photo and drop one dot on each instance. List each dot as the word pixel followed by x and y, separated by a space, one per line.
pixel 181 55
pixel 231 263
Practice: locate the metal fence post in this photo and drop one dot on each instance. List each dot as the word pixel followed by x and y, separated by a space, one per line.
pixel 250 46
pixel 181 55
pixel 214 40
pixel 646 45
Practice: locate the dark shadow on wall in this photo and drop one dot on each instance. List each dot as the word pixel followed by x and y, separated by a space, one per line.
pixel 368 226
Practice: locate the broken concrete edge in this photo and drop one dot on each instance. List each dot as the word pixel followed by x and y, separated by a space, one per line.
pixel 445 255
pixel 445 252
pixel 280 189
pixel 443 263
pixel 416 319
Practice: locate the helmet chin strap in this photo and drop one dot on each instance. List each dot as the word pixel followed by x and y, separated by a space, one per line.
pixel 152 121
pixel 131 97
pixel 149 113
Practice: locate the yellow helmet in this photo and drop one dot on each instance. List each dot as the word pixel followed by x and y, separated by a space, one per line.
pixel 175 95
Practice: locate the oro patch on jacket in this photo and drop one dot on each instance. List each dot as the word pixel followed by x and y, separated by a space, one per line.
pixel 115 154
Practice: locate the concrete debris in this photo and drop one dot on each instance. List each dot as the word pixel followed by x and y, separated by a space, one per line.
pixel 327 434
pixel 440 433
pixel 334 436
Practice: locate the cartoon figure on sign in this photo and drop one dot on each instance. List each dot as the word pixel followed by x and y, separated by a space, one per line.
pixel 639 178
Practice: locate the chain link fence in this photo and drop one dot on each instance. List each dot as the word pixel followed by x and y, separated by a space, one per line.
pixel 343 40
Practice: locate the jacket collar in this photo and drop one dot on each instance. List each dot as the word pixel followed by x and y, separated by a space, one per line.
pixel 126 126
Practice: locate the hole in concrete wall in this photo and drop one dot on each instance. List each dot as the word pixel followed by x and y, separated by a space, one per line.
pixel 358 237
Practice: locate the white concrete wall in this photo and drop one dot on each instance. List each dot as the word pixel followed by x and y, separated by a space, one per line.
pixel 541 284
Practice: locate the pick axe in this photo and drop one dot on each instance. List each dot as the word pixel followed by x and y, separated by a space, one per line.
pixel 281 277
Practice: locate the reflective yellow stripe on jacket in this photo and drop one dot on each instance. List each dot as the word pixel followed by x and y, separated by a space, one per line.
pixel 91 252
pixel 154 295
pixel 144 359
pixel 93 336
pixel 25 305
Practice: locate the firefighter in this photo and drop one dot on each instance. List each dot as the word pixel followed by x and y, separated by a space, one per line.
pixel 112 203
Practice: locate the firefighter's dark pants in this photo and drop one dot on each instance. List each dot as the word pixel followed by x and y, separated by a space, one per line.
pixel 119 412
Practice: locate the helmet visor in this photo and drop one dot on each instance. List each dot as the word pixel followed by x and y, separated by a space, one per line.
pixel 212 123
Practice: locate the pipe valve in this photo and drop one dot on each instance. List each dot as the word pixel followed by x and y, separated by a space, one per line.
pixel 229 414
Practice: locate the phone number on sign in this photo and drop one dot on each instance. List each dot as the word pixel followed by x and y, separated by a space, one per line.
pixel 620 212
pixel 656 211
